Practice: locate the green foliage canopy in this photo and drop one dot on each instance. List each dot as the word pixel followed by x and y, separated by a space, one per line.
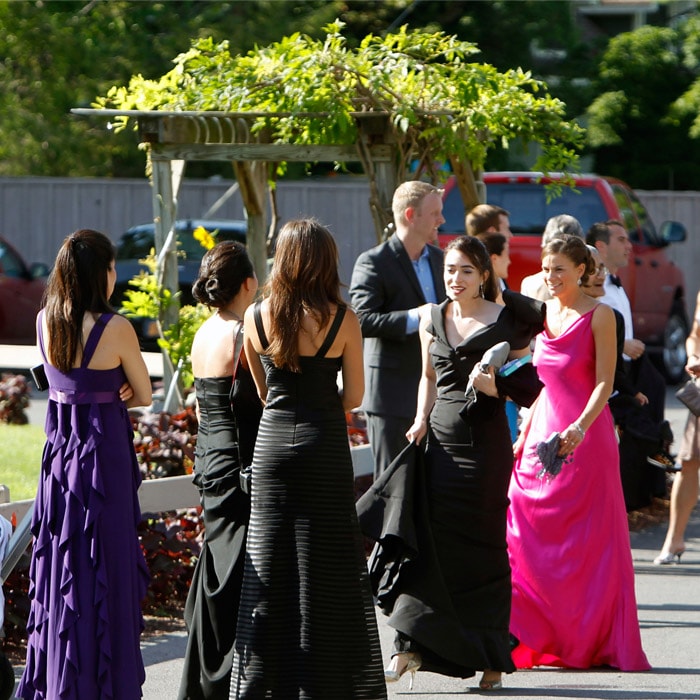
pixel 441 104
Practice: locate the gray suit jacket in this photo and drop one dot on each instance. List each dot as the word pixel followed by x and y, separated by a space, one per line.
pixel 384 286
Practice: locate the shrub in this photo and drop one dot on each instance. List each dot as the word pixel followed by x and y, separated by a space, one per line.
pixel 164 442
pixel 14 398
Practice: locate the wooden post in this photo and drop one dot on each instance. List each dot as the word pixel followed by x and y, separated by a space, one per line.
pixel 167 177
pixel 252 179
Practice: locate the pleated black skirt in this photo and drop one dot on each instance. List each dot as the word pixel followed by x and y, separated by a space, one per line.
pixel 306 625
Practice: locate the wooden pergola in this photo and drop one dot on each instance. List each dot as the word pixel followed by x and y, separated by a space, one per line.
pixel 176 137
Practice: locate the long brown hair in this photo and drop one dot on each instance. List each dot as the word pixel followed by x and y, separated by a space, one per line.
pixel 304 279
pixel 77 284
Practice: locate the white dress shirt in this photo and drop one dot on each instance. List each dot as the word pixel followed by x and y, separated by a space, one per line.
pixel 617 298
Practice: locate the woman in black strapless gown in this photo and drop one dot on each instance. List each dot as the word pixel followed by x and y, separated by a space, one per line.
pixel 306 626
pixel 451 614
pixel 229 413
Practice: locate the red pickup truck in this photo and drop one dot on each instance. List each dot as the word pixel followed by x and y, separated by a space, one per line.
pixel 655 285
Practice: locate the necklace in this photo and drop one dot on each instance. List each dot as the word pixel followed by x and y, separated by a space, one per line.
pixel 562 318
pixel 232 314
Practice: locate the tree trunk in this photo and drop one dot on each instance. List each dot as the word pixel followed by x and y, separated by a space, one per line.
pixel 252 179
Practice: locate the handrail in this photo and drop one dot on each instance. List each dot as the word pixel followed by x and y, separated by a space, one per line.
pixel 155 496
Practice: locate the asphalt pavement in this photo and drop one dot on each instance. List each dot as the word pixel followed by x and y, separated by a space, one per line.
pixel 668 600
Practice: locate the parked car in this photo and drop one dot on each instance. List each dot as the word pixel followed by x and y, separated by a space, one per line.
pixel 21 290
pixel 138 241
pixel 654 284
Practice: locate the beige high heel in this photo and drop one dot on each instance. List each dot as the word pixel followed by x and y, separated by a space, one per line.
pixel 406 661
pixel 490 684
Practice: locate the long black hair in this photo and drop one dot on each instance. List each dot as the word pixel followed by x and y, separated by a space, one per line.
pixel 77 285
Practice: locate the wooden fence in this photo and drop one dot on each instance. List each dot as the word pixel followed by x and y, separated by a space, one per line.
pixel 37 213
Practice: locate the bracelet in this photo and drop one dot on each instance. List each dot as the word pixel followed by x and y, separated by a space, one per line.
pixel 580 429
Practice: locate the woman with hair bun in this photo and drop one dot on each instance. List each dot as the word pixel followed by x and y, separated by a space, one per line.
pixel 568 539
pixel 88 575
pixel 229 411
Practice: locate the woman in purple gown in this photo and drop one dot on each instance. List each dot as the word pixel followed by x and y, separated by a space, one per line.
pixel 568 540
pixel 88 575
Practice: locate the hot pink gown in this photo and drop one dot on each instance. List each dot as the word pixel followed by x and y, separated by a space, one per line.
pixel 568 539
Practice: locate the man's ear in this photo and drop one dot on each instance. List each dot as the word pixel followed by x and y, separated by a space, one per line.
pixel 408 214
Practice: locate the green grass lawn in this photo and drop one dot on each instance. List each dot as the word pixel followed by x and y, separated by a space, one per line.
pixel 20 458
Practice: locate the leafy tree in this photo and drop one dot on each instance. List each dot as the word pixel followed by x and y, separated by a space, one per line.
pixel 632 130
pixel 440 105
pixel 55 56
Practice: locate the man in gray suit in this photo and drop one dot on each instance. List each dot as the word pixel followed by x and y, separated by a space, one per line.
pixel 392 284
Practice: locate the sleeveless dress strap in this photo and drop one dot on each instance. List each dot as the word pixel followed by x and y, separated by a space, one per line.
pixel 257 316
pixel 94 338
pixel 332 333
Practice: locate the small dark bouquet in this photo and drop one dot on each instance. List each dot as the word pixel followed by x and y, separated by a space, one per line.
pixel 550 459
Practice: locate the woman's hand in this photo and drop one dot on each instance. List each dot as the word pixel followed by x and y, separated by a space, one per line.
pixel 693 366
pixel 569 439
pixel 417 430
pixel 126 392
pixel 519 444
pixel 641 399
pixel 483 382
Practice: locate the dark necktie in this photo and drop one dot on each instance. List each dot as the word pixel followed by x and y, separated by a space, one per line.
pixel 615 280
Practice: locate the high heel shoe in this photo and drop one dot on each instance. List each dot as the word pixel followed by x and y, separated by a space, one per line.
pixel 492 684
pixel 668 557
pixel 397 667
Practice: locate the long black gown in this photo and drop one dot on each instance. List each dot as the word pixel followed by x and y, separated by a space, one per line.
pixel 225 439
pixel 306 624
pixel 453 599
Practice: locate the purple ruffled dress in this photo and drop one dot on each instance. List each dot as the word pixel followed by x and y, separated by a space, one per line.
pixel 88 574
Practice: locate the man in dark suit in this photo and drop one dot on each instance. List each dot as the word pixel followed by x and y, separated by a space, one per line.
pixel 646 435
pixel 392 284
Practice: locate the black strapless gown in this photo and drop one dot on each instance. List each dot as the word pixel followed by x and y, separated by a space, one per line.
pixel 211 610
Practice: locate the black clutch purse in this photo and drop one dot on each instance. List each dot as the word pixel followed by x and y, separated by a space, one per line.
pixel 39 376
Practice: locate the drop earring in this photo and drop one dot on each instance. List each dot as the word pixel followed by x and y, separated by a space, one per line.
pixel 481 290
pixel 578 282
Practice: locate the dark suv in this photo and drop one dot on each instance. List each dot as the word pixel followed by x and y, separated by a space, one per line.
pixel 655 285
pixel 138 242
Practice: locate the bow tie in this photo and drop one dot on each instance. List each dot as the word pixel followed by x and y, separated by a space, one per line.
pixel 615 280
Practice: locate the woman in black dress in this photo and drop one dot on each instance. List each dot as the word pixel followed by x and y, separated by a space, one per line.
pixel 229 413
pixel 452 616
pixel 306 626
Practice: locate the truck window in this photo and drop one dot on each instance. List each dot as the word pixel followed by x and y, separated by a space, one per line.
pixel 528 207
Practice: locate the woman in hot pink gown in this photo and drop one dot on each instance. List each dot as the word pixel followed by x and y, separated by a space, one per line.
pixel 568 539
